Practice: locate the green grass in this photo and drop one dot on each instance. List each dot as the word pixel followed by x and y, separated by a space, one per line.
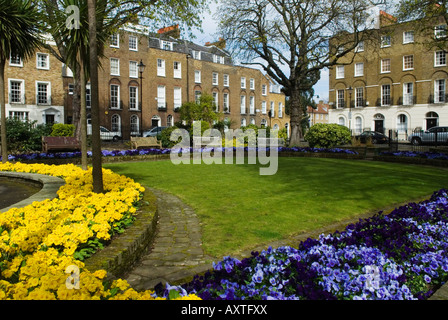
pixel 240 209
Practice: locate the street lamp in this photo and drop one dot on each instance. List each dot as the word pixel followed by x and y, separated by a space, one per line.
pixel 350 90
pixel 141 69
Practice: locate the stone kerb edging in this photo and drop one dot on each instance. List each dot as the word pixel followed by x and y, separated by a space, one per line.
pixel 50 186
pixel 124 250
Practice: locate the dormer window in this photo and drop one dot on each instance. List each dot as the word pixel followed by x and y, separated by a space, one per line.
pixel 166 45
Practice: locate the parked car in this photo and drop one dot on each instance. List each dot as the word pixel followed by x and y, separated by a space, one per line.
pixel 429 136
pixel 376 137
pixel 106 134
pixel 153 132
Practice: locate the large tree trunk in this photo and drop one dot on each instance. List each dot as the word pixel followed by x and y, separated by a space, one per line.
pixel 83 120
pixel 96 139
pixel 296 117
pixel 3 112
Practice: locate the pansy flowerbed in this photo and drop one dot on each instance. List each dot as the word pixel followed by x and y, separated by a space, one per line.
pixel 417 154
pixel 155 151
pixel 399 256
pixel 43 244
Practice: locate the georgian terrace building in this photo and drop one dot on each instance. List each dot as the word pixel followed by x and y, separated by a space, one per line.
pixel 395 83
pixel 177 71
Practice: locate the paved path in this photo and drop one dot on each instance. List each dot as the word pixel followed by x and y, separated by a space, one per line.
pixel 176 253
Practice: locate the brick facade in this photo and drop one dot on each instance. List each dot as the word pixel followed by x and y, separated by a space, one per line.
pixel 396 83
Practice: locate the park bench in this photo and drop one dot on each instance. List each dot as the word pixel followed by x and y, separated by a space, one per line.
pixel 145 142
pixel 60 144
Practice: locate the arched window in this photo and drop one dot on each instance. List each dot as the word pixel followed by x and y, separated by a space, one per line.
pixel 402 123
pixel 358 125
pixel 252 121
pixel 116 123
pixel 341 121
pixel 169 121
pixel 135 125
pixel 263 123
pixel 243 122
pixel 275 126
pixel 432 120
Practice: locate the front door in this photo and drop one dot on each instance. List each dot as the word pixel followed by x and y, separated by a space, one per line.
pixel 379 126
pixel 49 118
pixel 431 122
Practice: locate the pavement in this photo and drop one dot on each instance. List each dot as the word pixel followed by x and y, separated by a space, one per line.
pixel 176 254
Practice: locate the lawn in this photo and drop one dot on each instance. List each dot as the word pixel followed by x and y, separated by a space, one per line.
pixel 240 209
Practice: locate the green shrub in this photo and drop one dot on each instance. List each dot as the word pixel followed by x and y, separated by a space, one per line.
pixel 25 136
pixel 63 130
pixel 327 135
pixel 165 135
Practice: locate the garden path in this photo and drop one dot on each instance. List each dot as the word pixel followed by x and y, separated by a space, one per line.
pixel 176 253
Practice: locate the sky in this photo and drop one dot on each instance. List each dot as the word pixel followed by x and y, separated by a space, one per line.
pixel 209 34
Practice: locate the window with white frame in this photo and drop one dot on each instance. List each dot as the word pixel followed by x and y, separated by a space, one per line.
pixel 15 60
pixel 440 58
pixel 161 68
pixel 71 88
pixel 43 93
pixel 196 54
pixel 243 83
pixel 161 97
pixel 221 60
pixel 16 91
pixel 43 61
pixel 385 95
pixel 133 98
pixel 19 115
pixel 114 96
pixel 340 99
pixel 116 123
pixel 340 72
pixel 385 66
pixel 215 58
pixel 197 76
pixel 280 110
pixel 358 125
pixel 264 90
pixel 243 104
pixel 177 67
pixel 88 96
pixel 133 69
pixel 197 96
pixel 133 43
pixel 252 84
pixel 408 62
pixel 263 107
pixel 216 101
pixel 225 102
pixel 252 121
pixel 360 47
pixel 440 91
pixel 386 41
pixel 177 97
pixel 226 80
pixel 402 123
pixel 359 69
pixel 440 31
pixel 408 94
pixel 114 66
pixel 215 78
pixel 243 122
pixel 115 40
pixel 252 105
pixel 359 97
pixel 135 124
pixel 166 45
pixel 408 37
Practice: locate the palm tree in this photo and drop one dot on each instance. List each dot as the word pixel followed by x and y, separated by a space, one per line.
pixel 76 51
pixel 19 36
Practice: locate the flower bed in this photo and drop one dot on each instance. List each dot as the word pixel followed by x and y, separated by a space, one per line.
pixel 40 241
pixel 39 156
pixel 402 255
pixel 415 154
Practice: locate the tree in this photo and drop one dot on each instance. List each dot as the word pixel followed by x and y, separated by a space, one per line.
pixel 290 40
pixel 202 110
pixel 19 36
pixel 425 16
